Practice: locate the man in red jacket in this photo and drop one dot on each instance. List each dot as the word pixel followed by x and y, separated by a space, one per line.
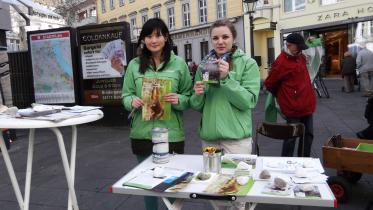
pixel 290 83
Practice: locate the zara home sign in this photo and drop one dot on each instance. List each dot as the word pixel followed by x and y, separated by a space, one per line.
pixel 344 14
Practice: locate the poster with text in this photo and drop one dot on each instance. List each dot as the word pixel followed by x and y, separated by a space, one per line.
pixel 104 54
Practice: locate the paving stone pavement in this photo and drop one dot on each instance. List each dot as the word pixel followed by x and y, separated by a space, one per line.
pixel 104 155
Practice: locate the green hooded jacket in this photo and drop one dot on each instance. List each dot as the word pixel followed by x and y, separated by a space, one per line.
pixel 226 110
pixel 177 71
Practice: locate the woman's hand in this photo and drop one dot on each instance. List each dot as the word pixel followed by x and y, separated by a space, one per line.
pixel 173 98
pixel 223 68
pixel 137 102
pixel 199 88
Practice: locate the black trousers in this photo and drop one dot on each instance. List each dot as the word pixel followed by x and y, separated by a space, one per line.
pixel 289 144
pixel 7 137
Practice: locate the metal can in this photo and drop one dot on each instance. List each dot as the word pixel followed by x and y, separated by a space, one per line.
pixel 212 162
pixel 160 145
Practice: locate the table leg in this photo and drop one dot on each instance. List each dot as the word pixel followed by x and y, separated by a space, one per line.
pixel 72 160
pixel 176 205
pixel 251 206
pixel 65 163
pixel 30 155
pixel 10 170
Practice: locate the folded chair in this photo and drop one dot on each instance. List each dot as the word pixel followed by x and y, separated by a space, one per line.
pixel 280 131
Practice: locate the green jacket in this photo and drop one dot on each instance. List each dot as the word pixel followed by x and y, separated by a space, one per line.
pixel 226 110
pixel 176 71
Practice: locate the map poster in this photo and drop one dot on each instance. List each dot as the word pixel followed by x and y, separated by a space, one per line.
pixel 104 54
pixel 52 65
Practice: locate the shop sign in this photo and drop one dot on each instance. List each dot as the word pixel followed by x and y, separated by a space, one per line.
pixel 344 14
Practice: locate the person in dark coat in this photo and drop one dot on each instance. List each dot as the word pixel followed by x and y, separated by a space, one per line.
pixel 348 72
pixel 367 133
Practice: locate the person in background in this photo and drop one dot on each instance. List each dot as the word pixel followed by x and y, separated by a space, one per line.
pixel 290 83
pixel 226 121
pixel 156 60
pixel 364 63
pixel 367 133
pixel 348 72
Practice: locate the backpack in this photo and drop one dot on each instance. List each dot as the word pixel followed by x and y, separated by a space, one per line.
pixel 369 111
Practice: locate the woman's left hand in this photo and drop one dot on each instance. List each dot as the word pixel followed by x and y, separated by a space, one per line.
pixel 223 68
pixel 173 98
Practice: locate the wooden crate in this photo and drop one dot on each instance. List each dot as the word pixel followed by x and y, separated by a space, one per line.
pixel 343 156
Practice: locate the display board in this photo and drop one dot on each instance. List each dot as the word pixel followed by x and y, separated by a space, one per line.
pixel 104 54
pixel 53 66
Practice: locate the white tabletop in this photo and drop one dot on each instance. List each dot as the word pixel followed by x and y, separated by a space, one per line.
pixel 20 123
pixel 194 164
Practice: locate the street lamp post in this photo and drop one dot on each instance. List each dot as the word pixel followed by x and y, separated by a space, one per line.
pixel 250 6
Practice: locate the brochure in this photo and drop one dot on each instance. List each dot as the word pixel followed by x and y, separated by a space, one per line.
pixel 152 94
pixel 270 189
pixel 146 179
pixel 227 185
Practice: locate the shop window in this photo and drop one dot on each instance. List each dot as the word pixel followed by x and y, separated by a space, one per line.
pixel 294 5
pixel 204 49
pixel 121 3
pixel 328 2
pixel 188 52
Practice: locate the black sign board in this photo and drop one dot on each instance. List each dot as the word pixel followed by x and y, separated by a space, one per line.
pixel 105 50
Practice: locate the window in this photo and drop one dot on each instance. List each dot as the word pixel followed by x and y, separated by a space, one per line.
pixel 202 11
pixel 132 26
pixel 133 22
pixel 327 2
pixel 157 14
pixel 188 52
pixel 92 12
pixel 121 3
pixel 103 6
pixel 144 18
pixel 221 9
pixel 186 14
pixel 112 6
pixel 171 17
pixel 270 51
pixel 294 5
pixel 204 48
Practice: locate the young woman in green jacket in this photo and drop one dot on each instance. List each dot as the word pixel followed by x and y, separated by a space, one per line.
pixel 226 109
pixel 156 60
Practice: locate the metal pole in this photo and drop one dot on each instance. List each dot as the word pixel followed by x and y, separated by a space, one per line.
pixel 251 18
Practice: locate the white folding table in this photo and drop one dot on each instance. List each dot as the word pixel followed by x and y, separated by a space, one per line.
pixel 19 123
pixel 193 163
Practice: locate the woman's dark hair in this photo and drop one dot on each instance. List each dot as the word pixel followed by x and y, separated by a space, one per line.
pixel 230 26
pixel 157 25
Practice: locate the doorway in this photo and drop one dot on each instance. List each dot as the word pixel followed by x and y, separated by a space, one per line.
pixel 335 43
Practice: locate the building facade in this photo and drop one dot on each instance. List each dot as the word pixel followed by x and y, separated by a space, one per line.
pixel 188 20
pixel 40 18
pixel 341 24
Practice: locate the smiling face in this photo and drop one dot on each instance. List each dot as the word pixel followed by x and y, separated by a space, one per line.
pixel 222 39
pixel 155 42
